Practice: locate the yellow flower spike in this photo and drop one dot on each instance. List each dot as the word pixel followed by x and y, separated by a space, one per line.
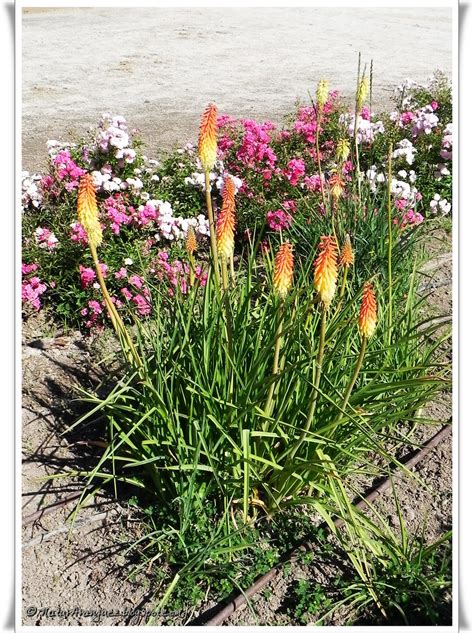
pixel 87 210
pixel 368 311
pixel 322 93
pixel 207 145
pixel 347 254
pixel 226 220
pixel 342 150
pixel 336 185
pixel 191 243
pixel 362 92
pixel 325 269
pixel 283 272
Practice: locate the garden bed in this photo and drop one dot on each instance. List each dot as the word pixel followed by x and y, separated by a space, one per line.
pixel 208 451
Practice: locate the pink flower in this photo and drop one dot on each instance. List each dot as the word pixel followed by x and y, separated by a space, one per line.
pixel 126 293
pixel 365 113
pixel 28 268
pixel 312 183
pixel 295 170
pixel 407 117
pixel 142 304
pixel 279 220
pixel 31 291
pixel 121 274
pixel 136 281
pixel 289 205
pixel 87 276
pixel 434 105
pixel 78 234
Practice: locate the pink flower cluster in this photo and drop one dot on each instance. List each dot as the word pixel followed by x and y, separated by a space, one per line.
pixel 67 170
pixel 255 150
pixel 88 275
pixel 281 219
pixel 78 234
pixel 410 218
pixel 294 170
pixel 176 274
pixel 117 212
pixel 447 143
pixel 305 123
pixel 424 121
pixel 31 289
pixel 46 238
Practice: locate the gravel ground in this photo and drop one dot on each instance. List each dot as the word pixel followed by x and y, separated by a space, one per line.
pixel 159 66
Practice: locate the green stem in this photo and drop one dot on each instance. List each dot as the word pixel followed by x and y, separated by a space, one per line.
pixel 276 363
pixel 344 279
pixel 356 149
pixel 389 263
pixel 117 322
pixel 350 386
pixel 212 228
pixel 323 188
pixel 317 368
pixel 192 274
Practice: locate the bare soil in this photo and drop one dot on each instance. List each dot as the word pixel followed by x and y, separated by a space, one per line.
pixel 160 66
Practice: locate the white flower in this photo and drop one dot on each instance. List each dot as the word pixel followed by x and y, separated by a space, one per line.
pixel 402 173
pixel 127 261
pixel 405 150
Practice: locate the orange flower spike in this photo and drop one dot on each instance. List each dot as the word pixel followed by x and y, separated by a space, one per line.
pixel 226 220
pixel 347 254
pixel 87 210
pixel 207 145
pixel 191 243
pixel 336 185
pixel 283 273
pixel 368 311
pixel 325 269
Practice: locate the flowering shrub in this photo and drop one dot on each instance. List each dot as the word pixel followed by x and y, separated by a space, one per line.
pixel 282 179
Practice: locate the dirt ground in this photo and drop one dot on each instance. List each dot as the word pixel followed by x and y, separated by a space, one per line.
pixel 159 67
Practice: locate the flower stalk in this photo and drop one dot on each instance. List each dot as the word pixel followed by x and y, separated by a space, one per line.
pixel 88 215
pixel 282 281
pixel 207 151
pixel 367 324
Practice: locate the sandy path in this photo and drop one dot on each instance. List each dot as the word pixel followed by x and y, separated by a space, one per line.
pixel 159 66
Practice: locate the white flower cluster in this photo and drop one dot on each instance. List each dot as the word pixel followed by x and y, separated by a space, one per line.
pixel 406 150
pixel 404 191
pixel 216 179
pixel 441 171
pixel 173 227
pixel 113 135
pixel 439 205
pixel 374 177
pixel 30 192
pixel 411 175
pixel 366 130
pixel 425 120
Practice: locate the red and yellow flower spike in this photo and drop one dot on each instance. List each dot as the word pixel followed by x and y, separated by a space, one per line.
pixel 347 254
pixel 325 269
pixel 207 145
pixel 336 185
pixel 283 272
pixel 368 311
pixel 87 210
pixel 191 243
pixel 226 220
